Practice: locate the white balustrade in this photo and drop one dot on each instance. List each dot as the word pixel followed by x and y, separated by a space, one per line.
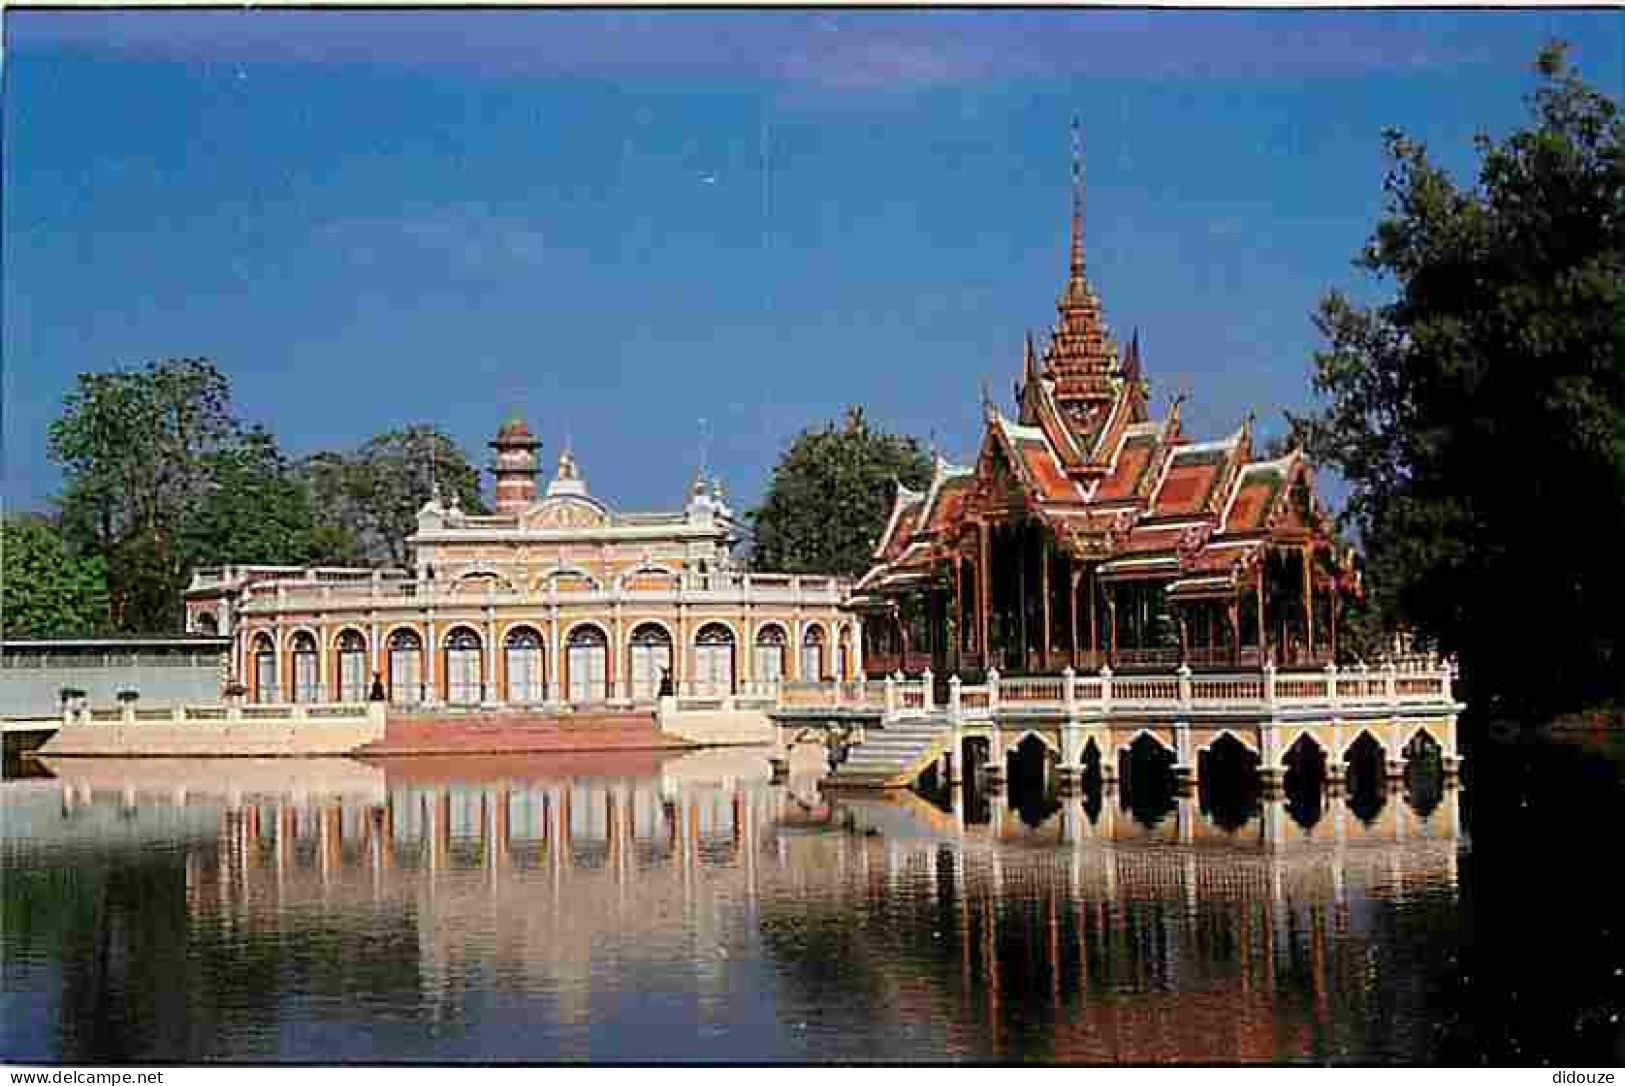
pixel 1070 695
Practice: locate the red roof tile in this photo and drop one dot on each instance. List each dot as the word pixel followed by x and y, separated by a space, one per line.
pixel 1131 465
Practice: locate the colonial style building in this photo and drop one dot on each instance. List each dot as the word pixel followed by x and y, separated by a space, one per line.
pixel 1090 533
pixel 554 601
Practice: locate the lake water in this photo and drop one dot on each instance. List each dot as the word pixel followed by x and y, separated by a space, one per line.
pixel 638 908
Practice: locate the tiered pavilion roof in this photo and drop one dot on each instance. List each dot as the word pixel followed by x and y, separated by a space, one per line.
pixel 1120 496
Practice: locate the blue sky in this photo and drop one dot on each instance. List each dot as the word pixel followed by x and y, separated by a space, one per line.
pixel 623 222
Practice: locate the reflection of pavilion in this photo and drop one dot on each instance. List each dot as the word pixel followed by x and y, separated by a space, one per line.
pixel 1088 936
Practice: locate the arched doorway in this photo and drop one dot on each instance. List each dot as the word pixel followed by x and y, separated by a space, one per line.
pixel 812 653
pixel 306 668
pixel 265 684
pixel 205 624
pixel 714 661
pixel 405 667
pixel 523 664
pixel 843 654
pixel 586 664
pixel 648 657
pixel 1147 777
pixel 464 678
pixel 352 660
pixel 769 660
pixel 1227 782
pixel 1304 780
pixel 1365 761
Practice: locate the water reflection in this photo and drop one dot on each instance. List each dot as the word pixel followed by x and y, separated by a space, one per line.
pixel 688 908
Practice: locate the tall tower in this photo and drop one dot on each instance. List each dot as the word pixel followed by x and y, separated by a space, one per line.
pixel 515 467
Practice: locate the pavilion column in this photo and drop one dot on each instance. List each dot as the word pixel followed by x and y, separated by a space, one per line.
pixel 1094 623
pixel 1234 613
pixel 1111 623
pixel 959 610
pixel 1308 602
pixel 1043 587
pixel 1021 599
pixel 984 592
pixel 1334 605
pixel 1261 644
pixel 1072 613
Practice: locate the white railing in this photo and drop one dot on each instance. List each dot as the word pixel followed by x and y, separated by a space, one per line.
pixel 339 590
pixel 372 712
pixel 1181 691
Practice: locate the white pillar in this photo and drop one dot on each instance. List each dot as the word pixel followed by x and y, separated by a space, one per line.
pixel 431 695
pixel 492 694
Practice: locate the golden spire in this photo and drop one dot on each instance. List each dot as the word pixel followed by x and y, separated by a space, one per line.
pixel 1077 198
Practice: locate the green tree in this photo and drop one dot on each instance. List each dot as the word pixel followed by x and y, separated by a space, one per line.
pixel 256 511
pixel 829 497
pixel 1479 416
pixel 48 592
pixel 136 448
pixel 366 502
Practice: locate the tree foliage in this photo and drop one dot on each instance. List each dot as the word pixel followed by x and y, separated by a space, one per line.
pixel 161 477
pixel 366 502
pixel 136 447
pixel 829 497
pixel 256 511
pixel 48 592
pixel 1479 415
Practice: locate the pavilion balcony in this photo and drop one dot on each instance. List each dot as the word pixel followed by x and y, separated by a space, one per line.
pixel 1418 682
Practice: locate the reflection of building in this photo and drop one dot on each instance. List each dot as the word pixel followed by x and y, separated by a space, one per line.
pixel 547 601
pixel 890 930
pixel 1090 532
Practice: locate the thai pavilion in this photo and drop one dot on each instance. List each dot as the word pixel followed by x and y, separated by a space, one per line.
pixel 1091 534
pixel 554 599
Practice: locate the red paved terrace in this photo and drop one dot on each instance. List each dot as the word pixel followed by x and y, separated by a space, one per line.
pixel 520 733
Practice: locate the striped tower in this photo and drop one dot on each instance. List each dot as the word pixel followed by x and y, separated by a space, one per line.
pixel 515 467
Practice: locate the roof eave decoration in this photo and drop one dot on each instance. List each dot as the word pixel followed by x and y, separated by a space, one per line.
pixel 901 501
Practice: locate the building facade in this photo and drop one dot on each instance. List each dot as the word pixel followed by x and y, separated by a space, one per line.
pixel 550 601
pixel 1089 533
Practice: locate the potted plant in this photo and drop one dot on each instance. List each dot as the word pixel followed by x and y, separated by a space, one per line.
pixel 73 699
pixel 128 697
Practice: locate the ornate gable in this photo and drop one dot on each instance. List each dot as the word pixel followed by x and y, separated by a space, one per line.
pixel 565 512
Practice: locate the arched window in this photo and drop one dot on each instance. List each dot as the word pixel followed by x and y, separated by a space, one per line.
pixel 523 661
pixel 352 666
pixel 265 684
pixel 306 669
pixel 464 680
pixel 205 623
pixel 844 655
pixel 405 667
pixel 714 660
pixel 812 653
pixel 586 663
pixel 769 658
pixel 650 655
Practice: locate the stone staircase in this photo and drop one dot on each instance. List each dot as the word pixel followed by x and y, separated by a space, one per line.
pixel 520 733
pixel 893 756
